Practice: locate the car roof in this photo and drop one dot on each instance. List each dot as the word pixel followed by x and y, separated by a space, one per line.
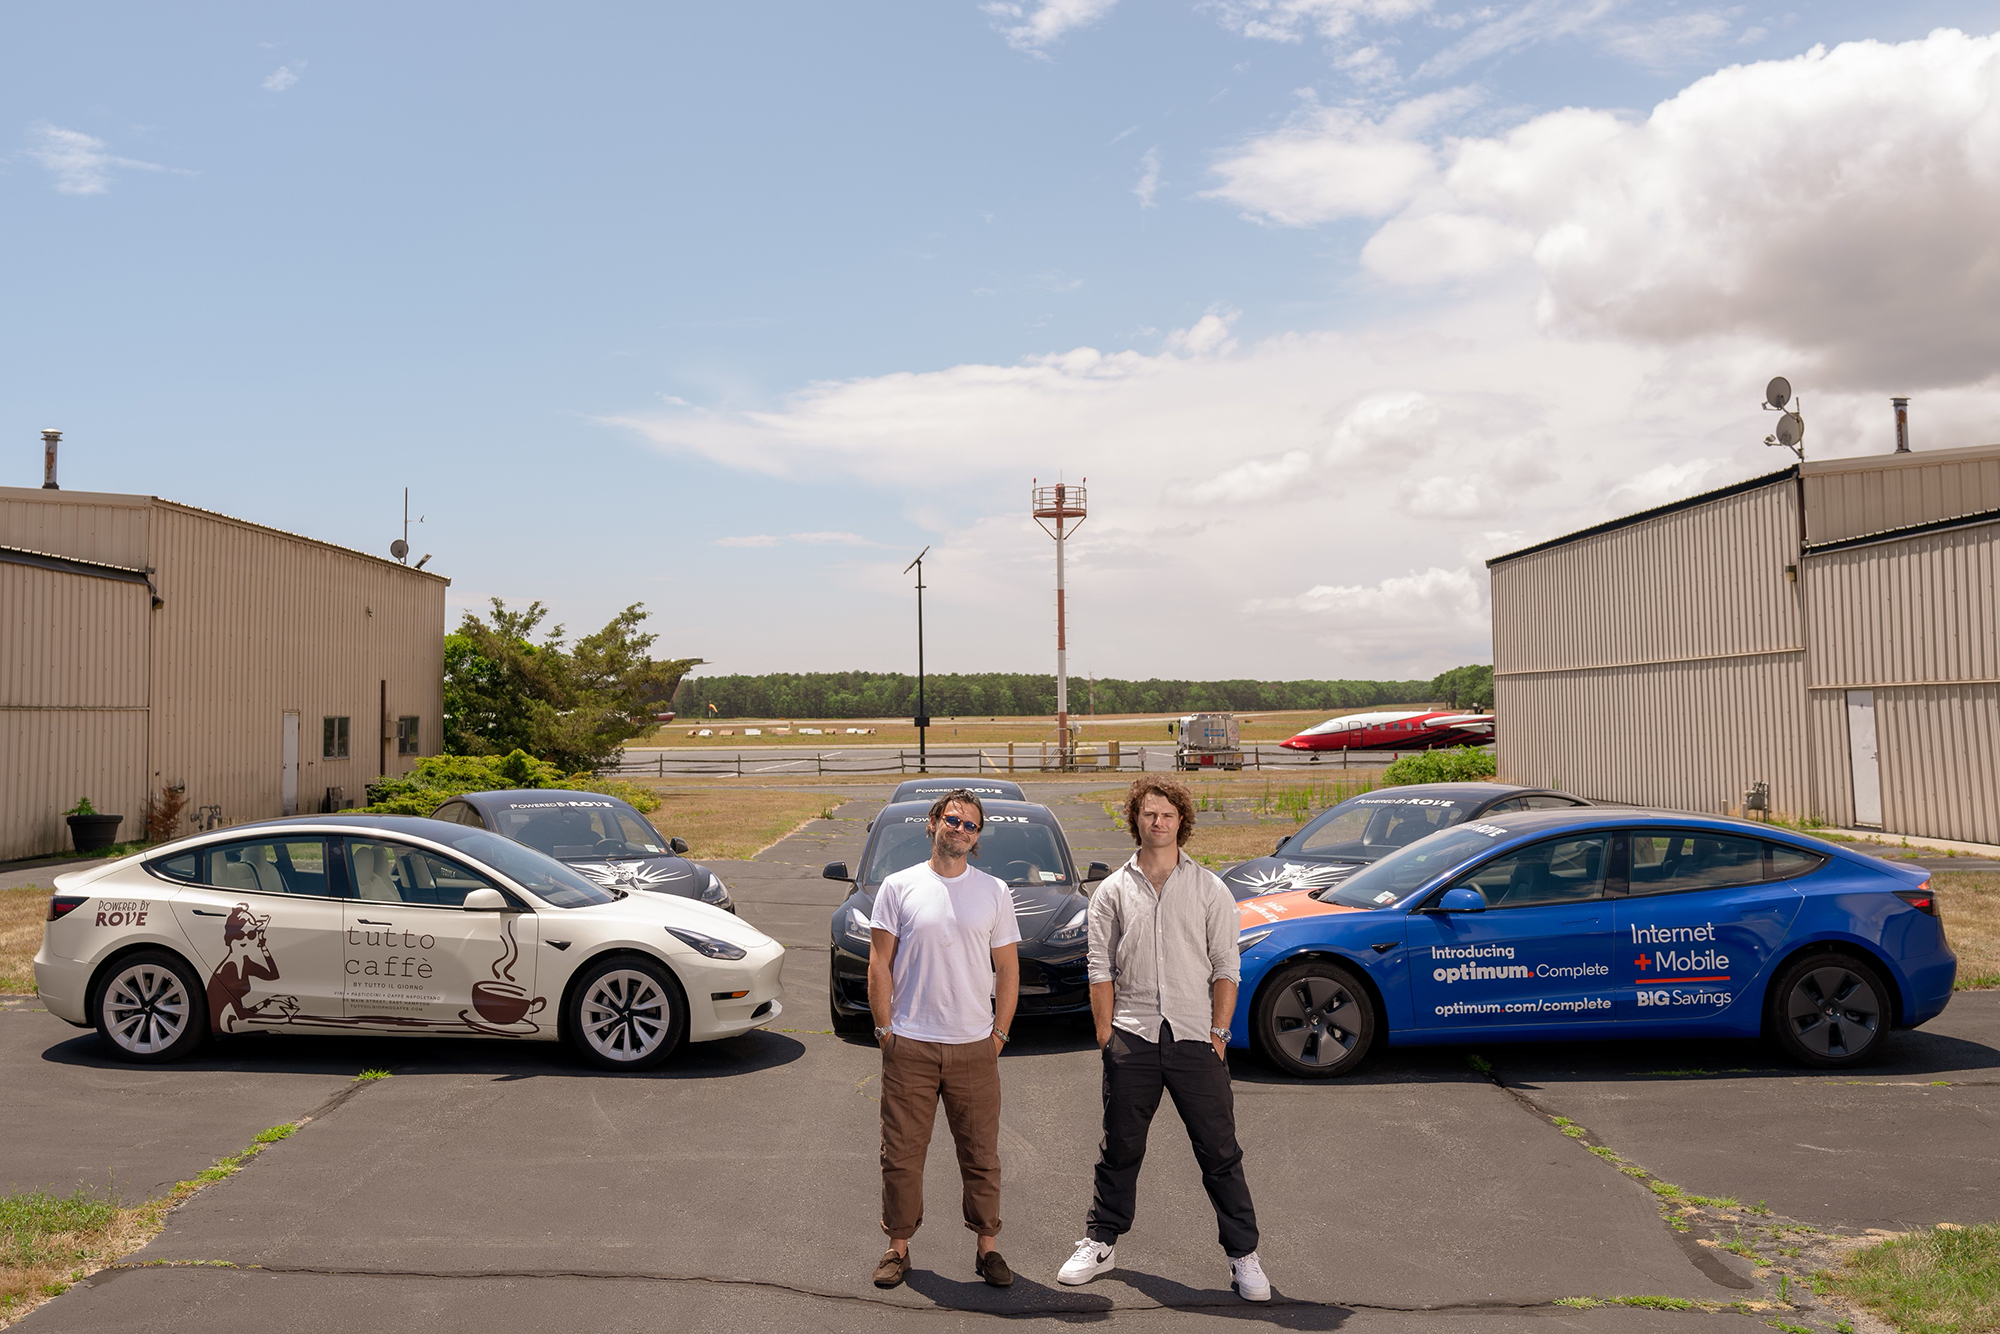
pixel 418 826
pixel 557 797
pixel 910 788
pixel 1039 813
pixel 1622 817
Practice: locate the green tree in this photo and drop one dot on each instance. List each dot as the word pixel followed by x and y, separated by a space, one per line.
pixel 1465 687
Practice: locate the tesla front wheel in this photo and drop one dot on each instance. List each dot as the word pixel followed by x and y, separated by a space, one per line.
pixel 849 1024
pixel 151 1008
pixel 1314 1020
pixel 627 1013
pixel 1830 1010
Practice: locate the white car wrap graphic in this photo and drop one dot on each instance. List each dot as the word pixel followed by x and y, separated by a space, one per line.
pixel 1295 875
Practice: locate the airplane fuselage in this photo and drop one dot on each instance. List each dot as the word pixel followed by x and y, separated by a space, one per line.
pixel 1399 730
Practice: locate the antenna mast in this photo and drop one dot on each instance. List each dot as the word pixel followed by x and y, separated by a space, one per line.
pixel 1061 504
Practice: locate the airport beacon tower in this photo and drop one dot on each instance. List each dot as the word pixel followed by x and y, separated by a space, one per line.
pixel 1061 504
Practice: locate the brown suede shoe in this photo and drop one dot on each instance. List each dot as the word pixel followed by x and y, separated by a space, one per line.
pixel 993 1269
pixel 892 1269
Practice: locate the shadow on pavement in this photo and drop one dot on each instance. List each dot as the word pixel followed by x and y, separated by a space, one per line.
pixel 270 1053
pixel 1025 1297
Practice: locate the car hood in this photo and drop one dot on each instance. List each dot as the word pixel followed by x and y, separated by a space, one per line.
pixel 1038 909
pixel 1271 909
pixel 650 912
pixel 659 875
pixel 1280 874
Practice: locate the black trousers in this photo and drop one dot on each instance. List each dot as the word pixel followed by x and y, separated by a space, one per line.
pixel 1135 1073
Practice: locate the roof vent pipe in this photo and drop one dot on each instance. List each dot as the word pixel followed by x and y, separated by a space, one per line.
pixel 49 439
pixel 1902 407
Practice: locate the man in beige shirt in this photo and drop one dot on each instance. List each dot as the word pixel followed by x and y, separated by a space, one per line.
pixel 1163 975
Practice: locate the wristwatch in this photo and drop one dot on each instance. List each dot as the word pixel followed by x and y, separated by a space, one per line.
pixel 881 1033
pixel 1221 1033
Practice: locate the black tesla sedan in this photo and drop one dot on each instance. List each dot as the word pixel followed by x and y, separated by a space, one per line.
pixel 602 837
pixel 1344 838
pixel 1022 843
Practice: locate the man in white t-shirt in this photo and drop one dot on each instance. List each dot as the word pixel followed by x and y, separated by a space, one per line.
pixel 943 977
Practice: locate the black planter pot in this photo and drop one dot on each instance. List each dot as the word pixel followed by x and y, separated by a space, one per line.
pixel 92 832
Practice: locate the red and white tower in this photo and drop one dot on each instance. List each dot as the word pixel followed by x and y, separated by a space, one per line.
pixel 1061 504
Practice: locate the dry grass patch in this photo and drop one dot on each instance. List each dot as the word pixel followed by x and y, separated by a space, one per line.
pixel 21 915
pixel 1970 903
pixel 1942 1280
pixel 728 824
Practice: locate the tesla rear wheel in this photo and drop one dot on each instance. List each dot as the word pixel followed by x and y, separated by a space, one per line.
pixel 151 1008
pixel 626 1014
pixel 1830 1010
pixel 1314 1020
pixel 849 1024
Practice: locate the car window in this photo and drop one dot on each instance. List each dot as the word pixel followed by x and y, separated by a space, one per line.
pixel 1405 870
pixel 459 812
pixel 261 866
pixel 1562 870
pixel 1013 848
pixel 536 872
pixel 1376 824
pixel 397 873
pixel 1783 862
pixel 578 827
pixel 1669 863
pixel 1502 807
pixel 638 835
pixel 1545 802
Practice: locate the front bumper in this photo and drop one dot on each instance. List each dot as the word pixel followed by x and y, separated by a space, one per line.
pixel 715 1012
pixel 1052 984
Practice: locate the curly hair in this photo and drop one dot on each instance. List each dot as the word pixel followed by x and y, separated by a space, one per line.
pixel 1152 785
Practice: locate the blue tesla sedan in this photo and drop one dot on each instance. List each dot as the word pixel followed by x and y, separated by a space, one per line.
pixel 1595 922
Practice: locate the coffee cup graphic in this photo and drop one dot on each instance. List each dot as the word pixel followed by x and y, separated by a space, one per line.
pixel 504 1003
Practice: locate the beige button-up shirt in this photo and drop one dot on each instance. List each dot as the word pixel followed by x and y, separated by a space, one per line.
pixel 1162 952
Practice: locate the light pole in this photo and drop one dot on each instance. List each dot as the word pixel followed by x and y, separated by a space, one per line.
pixel 922 719
pixel 1061 502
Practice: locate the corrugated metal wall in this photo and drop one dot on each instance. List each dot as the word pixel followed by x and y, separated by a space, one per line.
pixel 1853 497
pixel 1916 621
pixel 1658 664
pixel 254 623
pixel 73 669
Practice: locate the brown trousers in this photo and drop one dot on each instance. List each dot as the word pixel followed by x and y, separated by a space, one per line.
pixel 915 1077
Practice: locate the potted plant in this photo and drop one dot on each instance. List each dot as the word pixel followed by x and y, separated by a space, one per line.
pixel 90 831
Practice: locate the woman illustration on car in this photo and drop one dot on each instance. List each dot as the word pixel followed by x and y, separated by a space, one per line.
pixel 248 960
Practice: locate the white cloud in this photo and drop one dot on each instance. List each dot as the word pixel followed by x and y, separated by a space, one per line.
pixel 1290 20
pixel 1530 24
pixel 1149 177
pixel 282 78
pixel 749 540
pixel 78 161
pixel 1033 28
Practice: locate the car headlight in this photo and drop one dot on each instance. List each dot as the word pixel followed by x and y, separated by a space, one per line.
pixel 858 926
pixel 709 945
pixel 1075 929
pixel 1249 940
pixel 716 891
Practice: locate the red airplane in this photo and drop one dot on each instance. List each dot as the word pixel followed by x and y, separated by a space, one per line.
pixel 1412 730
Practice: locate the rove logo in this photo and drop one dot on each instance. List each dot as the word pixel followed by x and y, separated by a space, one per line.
pixel 132 913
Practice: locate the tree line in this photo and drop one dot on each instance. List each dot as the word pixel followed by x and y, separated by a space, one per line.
pixel 1028 694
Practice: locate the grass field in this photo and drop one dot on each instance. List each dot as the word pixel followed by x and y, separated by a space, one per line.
pixel 1970 903
pixel 960 732
pixel 21 914
pixel 1240 816
pixel 1941 1280
pixel 725 824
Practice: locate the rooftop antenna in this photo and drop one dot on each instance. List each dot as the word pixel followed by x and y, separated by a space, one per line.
pixel 1791 432
pixel 1060 504
pixel 922 719
pixel 400 548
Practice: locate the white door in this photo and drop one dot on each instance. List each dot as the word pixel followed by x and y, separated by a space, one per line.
pixel 1866 760
pixel 288 784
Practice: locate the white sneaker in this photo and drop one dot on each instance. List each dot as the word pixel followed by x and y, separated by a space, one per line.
pixel 1091 1259
pixel 1246 1276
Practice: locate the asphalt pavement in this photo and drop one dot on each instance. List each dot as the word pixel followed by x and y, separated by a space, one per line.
pixel 486 1186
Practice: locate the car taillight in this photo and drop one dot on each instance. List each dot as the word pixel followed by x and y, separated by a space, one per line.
pixel 60 905
pixel 1920 898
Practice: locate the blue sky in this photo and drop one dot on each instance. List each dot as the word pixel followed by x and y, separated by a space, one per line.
pixel 731 309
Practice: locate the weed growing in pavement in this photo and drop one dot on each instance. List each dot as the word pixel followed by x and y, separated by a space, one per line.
pixel 1480 1064
pixel 278 1132
pixel 1606 1154
pixel 366 1075
pixel 1790 1329
pixel 1569 1127
pixel 1634 1171
pixel 1760 1208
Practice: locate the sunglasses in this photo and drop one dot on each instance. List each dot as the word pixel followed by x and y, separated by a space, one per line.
pixel 969 826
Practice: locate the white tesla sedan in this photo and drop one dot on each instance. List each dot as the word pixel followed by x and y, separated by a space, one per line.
pixel 392 924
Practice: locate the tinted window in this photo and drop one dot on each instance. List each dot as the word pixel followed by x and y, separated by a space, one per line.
pixel 397 873
pixel 1405 870
pixel 1668 863
pixel 544 877
pixel 1783 861
pixel 1374 825
pixel 579 827
pixel 1563 870
pixel 262 866
pixel 1548 803
pixel 458 813
pixel 1013 848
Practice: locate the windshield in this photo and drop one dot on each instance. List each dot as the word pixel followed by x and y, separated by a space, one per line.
pixel 1401 872
pixel 1375 824
pixel 1011 847
pixel 576 828
pixel 544 877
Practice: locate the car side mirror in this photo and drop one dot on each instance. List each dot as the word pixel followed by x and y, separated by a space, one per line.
pixel 486 900
pixel 1281 845
pixel 1462 900
pixel 677 846
pixel 836 871
pixel 1098 871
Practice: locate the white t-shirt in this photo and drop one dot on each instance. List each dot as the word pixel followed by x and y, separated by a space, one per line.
pixel 946 931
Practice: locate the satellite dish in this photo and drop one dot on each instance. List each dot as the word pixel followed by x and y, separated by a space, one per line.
pixel 1778 392
pixel 1791 430
pixel 399 548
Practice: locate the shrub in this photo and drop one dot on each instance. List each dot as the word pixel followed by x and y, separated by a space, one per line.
pixel 1459 764
pixel 440 777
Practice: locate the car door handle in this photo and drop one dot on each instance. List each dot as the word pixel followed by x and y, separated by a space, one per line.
pixel 1583 921
pixel 206 912
pixel 369 921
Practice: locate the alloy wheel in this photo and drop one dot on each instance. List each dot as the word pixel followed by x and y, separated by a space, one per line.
pixel 1315 1021
pixel 146 1008
pixel 626 1015
pixel 1833 1011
